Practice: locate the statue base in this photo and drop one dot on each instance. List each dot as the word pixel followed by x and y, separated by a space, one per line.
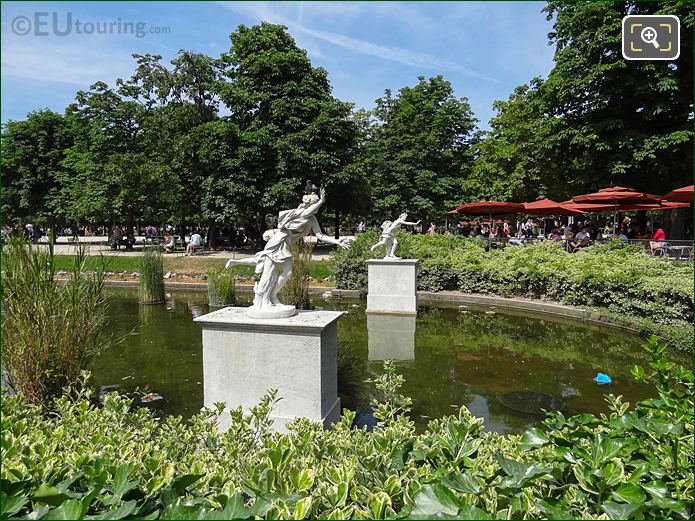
pixel 243 357
pixel 276 311
pixel 392 286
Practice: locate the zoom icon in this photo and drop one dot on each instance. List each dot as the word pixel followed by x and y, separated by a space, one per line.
pixel 651 37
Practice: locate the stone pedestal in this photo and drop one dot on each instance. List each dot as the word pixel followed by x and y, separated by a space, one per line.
pixel 244 357
pixel 391 337
pixel 392 286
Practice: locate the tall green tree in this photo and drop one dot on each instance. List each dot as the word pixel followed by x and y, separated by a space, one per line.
pixel 32 154
pixel 598 118
pixel 418 149
pixel 290 127
pixel 112 173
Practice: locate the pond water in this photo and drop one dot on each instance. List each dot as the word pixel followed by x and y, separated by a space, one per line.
pixel 449 356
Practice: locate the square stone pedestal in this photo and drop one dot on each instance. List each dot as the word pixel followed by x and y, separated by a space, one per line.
pixel 391 337
pixel 392 286
pixel 244 357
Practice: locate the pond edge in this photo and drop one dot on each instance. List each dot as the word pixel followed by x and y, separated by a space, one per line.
pixel 534 306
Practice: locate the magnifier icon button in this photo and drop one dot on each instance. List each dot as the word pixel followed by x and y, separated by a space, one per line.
pixel 648 35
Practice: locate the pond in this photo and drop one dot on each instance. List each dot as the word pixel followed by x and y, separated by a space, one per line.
pixel 449 355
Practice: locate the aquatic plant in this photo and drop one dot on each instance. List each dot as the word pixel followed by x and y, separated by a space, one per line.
pixel 221 287
pixel 296 290
pixel 51 329
pixel 151 276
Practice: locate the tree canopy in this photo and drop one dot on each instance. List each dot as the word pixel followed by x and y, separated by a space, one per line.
pixel 228 139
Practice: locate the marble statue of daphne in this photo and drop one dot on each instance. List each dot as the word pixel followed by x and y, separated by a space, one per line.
pixel 274 263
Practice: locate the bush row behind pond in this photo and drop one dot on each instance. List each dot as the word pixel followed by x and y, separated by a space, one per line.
pixel 618 278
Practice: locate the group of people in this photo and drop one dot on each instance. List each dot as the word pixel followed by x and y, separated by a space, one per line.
pixel 576 236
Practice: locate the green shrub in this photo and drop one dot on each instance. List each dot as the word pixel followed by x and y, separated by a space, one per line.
pixel 50 329
pixel 221 287
pixel 151 276
pixel 614 277
pixel 113 461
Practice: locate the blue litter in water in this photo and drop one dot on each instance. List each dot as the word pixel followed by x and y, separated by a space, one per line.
pixel 602 379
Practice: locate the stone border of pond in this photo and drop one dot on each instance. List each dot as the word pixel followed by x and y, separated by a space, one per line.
pixel 429 297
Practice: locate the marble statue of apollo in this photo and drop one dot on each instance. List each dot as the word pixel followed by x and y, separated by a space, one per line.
pixel 274 263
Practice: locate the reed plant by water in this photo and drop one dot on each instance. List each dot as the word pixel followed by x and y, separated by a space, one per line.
pixel 51 328
pixel 296 290
pixel 151 276
pixel 221 289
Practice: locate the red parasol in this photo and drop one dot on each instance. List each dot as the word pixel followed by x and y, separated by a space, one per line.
pixel 682 195
pixel 616 195
pixel 489 208
pixel 550 207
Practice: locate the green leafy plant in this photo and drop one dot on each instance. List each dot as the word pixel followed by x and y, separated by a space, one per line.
pixel 221 287
pixel 151 276
pixel 110 460
pixel 50 329
pixel 619 282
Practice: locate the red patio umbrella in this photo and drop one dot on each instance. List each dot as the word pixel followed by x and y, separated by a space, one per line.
pixel 489 208
pixel 616 196
pixel 682 195
pixel 550 207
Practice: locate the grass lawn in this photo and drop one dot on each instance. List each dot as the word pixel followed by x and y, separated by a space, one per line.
pixel 180 265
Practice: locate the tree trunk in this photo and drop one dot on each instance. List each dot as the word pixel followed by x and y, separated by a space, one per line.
pixel 52 228
pixel 212 236
pixel 336 222
pixel 674 223
pixel 129 224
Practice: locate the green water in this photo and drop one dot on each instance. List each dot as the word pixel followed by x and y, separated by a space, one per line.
pixel 450 356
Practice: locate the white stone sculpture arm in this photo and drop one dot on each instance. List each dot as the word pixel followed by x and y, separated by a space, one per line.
pixel 410 224
pixel 343 243
pixel 311 210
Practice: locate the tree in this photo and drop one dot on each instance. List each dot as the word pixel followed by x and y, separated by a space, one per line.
pixel 417 149
pixel 290 127
pixel 113 175
pixel 598 118
pixel 627 122
pixel 32 155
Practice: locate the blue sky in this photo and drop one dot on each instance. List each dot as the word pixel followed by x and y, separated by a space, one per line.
pixel 484 49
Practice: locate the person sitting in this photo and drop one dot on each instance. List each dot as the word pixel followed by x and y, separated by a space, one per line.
pixel 555 235
pixel 572 243
pixel 169 243
pixel 658 241
pixel 129 240
pixel 583 238
pixel 194 243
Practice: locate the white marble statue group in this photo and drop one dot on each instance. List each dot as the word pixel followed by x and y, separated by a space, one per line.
pixel 274 263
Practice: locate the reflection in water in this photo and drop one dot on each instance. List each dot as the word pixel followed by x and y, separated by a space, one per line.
pixel 459 357
pixel 391 337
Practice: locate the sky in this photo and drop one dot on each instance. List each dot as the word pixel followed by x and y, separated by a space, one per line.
pixel 50 50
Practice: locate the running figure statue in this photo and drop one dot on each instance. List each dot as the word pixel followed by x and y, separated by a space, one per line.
pixel 388 235
pixel 274 263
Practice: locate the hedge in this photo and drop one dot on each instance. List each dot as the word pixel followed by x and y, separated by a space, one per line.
pixel 614 278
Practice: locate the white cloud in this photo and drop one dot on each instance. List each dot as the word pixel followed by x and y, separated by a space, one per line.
pixel 40 58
